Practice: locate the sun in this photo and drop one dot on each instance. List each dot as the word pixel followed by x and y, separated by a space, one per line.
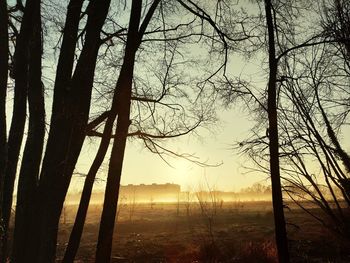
pixel 184 174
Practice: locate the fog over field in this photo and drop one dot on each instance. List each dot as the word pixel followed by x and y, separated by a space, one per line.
pixel 172 193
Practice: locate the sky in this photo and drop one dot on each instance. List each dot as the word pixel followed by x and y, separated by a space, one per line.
pixel 213 147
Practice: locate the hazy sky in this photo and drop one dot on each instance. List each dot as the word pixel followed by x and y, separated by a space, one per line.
pixel 141 166
pixel 215 147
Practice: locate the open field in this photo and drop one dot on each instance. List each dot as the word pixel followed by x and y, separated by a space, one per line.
pixel 188 232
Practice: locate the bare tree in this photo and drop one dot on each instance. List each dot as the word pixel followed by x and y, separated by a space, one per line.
pixel 143 125
pixel 312 109
pixel 285 34
pixel 123 87
pixel 310 133
pixel 123 122
pixel 277 199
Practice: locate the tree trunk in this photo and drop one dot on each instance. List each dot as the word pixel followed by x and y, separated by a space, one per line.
pixel 123 87
pixel 124 78
pixel 70 113
pixel 339 151
pixel 277 198
pixel 63 75
pixel 79 222
pixel 28 177
pixel 4 49
pixel 21 61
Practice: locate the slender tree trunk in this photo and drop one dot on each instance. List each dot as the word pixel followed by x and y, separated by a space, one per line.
pixel 28 177
pixel 124 81
pixel 277 198
pixel 124 86
pixel 339 151
pixel 4 49
pixel 104 244
pixel 333 137
pixel 79 222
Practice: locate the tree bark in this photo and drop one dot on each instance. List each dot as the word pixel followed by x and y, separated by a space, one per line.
pixel 4 49
pixel 277 198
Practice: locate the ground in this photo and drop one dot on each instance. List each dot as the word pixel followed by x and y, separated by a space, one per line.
pixel 188 232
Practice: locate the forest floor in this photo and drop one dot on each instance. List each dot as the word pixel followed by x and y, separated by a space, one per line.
pixel 185 232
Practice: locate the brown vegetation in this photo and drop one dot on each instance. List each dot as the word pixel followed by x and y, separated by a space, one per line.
pixel 241 233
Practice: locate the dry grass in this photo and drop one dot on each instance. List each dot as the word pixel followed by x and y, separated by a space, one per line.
pixel 167 234
pixel 258 252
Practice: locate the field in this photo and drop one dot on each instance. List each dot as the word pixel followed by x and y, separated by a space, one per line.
pixel 204 232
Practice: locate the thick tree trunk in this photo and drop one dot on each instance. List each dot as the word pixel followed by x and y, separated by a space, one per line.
pixel 123 87
pixel 4 49
pixel 67 133
pixel 21 61
pixel 28 177
pixel 63 75
pixel 277 198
